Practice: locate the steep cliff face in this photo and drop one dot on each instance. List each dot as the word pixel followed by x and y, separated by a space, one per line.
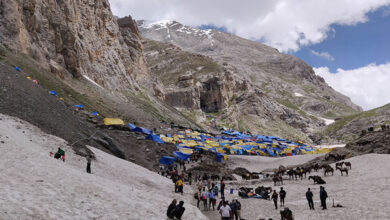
pixel 74 38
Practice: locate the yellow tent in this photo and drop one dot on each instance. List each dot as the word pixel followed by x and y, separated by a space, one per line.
pixel 113 121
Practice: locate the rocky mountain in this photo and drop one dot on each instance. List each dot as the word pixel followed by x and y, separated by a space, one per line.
pixel 82 44
pixel 352 127
pixel 243 84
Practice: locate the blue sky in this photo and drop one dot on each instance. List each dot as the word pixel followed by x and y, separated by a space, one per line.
pixel 353 46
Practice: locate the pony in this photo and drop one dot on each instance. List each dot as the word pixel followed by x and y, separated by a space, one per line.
pixel 277 179
pixel 342 169
pixel 328 169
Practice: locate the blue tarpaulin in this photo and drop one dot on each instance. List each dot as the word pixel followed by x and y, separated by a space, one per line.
pixel 166 160
pixel 53 92
pixel 180 155
pixel 95 113
pixel 155 138
pixel 219 157
pixel 78 106
pixel 17 69
pixel 142 130
pixel 131 126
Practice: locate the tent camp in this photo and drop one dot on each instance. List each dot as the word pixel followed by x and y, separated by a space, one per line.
pixel 180 155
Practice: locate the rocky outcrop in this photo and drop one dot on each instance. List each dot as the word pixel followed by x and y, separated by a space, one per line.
pixel 74 38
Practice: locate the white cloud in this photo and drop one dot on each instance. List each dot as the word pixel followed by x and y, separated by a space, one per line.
pixel 367 86
pixel 324 55
pixel 284 24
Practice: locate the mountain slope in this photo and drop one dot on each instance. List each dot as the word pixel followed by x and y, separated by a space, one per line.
pixel 349 128
pixel 81 44
pixel 249 87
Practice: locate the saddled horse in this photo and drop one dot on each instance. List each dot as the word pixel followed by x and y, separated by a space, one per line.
pixel 328 169
pixel 342 169
pixel 277 179
pixel 291 174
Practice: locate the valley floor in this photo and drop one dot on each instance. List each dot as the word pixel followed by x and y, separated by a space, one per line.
pixel 365 193
pixel 37 186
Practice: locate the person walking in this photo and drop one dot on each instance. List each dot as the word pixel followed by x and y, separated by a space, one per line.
pixel 309 197
pixel 204 198
pixel 225 211
pixel 323 196
pixel 275 199
pixel 238 209
pixel 89 164
pixel 180 186
pixel 222 188
pixel 199 184
pixel 211 199
pixel 189 178
pixel 215 189
pixel 199 197
pixel 233 207
pixel 282 195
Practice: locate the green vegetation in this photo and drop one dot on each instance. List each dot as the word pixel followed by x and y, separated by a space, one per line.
pixel 288 104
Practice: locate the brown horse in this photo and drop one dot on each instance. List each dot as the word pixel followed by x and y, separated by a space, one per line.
pixel 277 179
pixel 317 179
pixel 342 169
pixel 328 169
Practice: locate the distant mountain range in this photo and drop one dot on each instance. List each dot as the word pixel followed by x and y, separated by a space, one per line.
pixel 244 84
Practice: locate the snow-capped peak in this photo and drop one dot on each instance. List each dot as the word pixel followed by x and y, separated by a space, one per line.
pixel 160 23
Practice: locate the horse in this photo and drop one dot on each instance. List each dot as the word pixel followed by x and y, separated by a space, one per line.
pixel 278 179
pixel 316 167
pixel 328 169
pixel 317 179
pixel 340 164
pixel 342 169
pixel 348 164
pixel 299 172
pixel 290 174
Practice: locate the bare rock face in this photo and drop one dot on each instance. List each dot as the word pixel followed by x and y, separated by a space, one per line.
pixel 74 38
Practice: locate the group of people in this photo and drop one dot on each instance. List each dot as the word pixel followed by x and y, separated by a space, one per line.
pixel 309 196
pixel 60 154
pixel 230 210
pixel 175 211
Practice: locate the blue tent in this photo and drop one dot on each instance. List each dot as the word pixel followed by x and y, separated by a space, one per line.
pixel 155 138
pixel 94 113
pixel 180 155
pixel 17 69
pixel 219 157
pixel 131 126
pixel 169 135
pixel 166 160
pixel 78 106
pixel 270 152
pixel 142 130
pixel 53 93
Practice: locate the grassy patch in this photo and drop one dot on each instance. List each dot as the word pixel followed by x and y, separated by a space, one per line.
pixel 288 104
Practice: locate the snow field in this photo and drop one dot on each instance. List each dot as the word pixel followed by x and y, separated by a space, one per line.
pixel 36 186
pixel 365 193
